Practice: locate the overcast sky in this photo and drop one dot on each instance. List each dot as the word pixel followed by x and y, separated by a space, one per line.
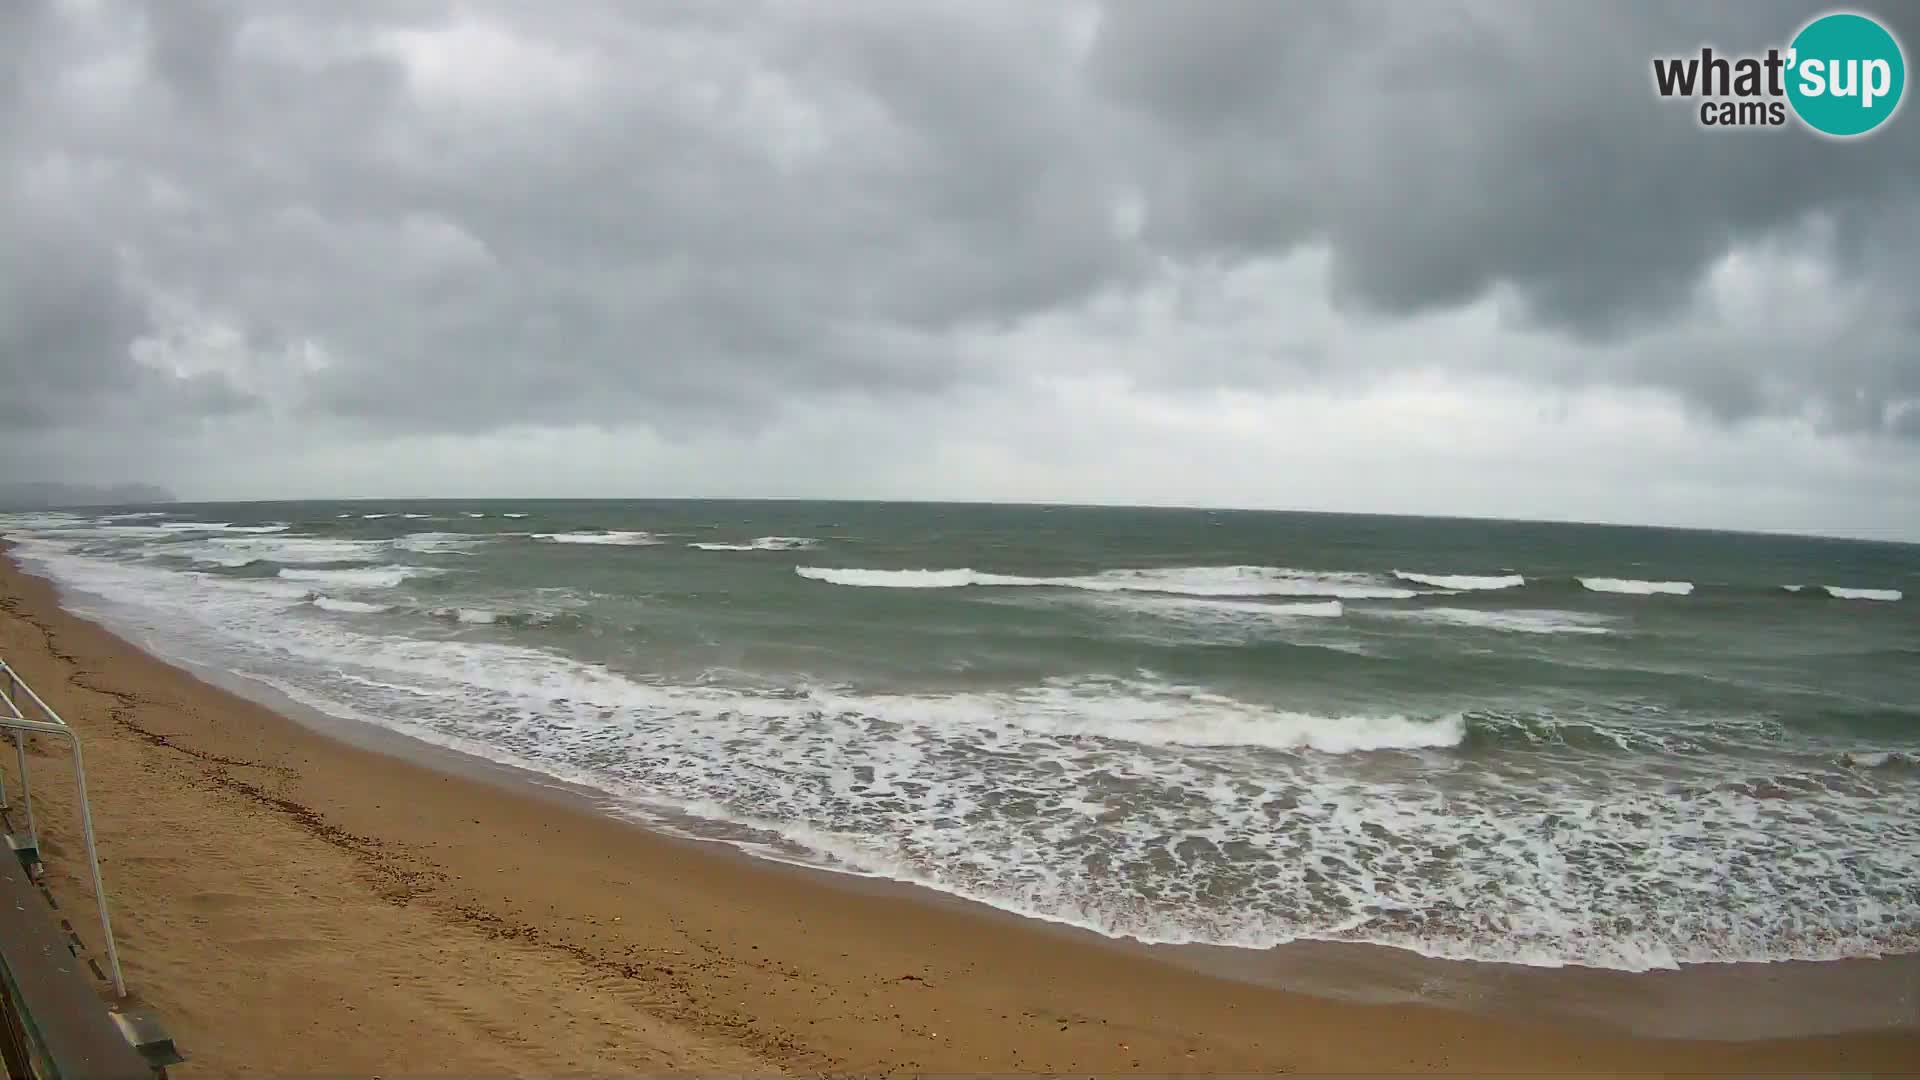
pixel 1431 256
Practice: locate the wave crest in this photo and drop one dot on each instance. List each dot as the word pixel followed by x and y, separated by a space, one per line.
pixel 1462 582
pixel 345 607
pixel 764 543
pixel 1513 622
pixel 1634 587
pixel 361 577
pixel 610 537
pixel 1841 593
pixel 220 526
pixel 1217 581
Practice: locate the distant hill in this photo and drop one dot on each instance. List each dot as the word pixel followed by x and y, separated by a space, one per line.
pixel 47 495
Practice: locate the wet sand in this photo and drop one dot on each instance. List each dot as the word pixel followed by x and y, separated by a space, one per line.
pixel 295 900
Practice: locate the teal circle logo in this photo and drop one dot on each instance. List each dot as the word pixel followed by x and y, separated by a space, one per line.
pixel 1846 74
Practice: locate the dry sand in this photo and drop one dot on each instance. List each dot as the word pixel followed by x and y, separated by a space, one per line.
pixel 295 904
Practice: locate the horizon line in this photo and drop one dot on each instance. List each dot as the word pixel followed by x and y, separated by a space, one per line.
pixel 1037 504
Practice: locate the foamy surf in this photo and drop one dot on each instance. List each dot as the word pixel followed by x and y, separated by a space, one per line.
pixel 610 538
pixel 1633 587
pixel 241 550
pixel 439 543
pixel 1463 582
pixel 1189 580
pixel 346 607
pixel 1883 595
pixel 1879 759
pixel 1149 713
pixel 220 527
pixel 1513 622
pixel 360 577
pixel 1159 752
pixel 763 543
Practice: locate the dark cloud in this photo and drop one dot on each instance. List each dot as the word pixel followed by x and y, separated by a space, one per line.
pixel 1444 150
pixel 461 217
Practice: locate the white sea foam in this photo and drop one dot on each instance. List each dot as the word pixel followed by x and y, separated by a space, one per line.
pixel 359 577
pixel 220 526
pixel 1840 593
pixel 1138 806
pixel 1187 580
pixel 132 532
pixel 1520 621
pixel 764 543
pixel 350 607
pixel 615 538
pixel 439 543
pixel 513 515
pixel 1462 582
pixel 1637 588
pixel 416 516
pixel 486 616
pixel 241 550
pixel 1199 609
pixel 475 514
pixel 374 517
pixel 1312 609
pixel 1153 714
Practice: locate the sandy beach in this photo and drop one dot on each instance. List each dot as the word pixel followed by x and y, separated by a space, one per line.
pixel 294 903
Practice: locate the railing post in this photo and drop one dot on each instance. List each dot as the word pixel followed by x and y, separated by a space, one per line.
pixel 26 788
pixel 13 691
pixel 93 863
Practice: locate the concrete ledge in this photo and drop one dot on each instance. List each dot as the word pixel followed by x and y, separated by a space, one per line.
pixel 55 1025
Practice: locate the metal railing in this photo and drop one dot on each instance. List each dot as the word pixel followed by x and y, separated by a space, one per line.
pixel 13 719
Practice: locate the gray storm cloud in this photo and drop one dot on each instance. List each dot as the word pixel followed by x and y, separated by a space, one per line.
pixel 437 217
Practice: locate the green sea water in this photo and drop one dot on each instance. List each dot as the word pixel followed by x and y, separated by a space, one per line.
pixel 1542 743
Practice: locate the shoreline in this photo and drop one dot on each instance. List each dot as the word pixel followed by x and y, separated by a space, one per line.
pixel 231 822
pixel 1732 1001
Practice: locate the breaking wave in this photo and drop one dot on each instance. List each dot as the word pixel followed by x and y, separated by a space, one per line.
pixel 477 616
pixel 219 526
pixel 1880 759
pixel 1840 593
pixel 1462 582
pixel 613 538
pixel 764 543
pixel 1612 829
pixel 349 607
pixel 236 551
pixel 1514 622
pixel 439 543
pixel 360 577
pixel 1184 580
pixel 1634 587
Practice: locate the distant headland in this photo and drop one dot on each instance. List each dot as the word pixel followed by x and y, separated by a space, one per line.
pixel 44 495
